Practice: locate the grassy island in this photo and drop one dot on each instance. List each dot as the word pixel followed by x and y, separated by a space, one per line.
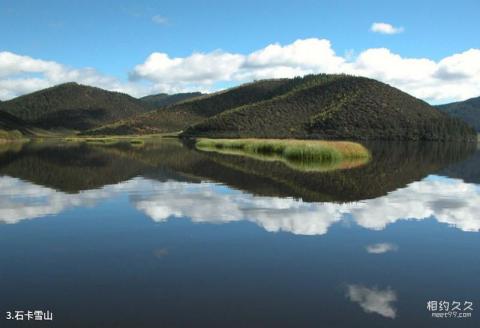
pixel 306 155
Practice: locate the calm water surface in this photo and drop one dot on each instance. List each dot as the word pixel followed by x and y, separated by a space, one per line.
pixel 164 236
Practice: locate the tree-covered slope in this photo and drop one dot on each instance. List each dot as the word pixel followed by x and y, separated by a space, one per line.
pixel 335 107
pixel 12 127
pixel 73 106
pixel 468 111
pixel 163 99
pixel 179 116
pixel 10 122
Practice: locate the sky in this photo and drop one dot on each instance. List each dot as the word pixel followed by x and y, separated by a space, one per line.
pixel 430 49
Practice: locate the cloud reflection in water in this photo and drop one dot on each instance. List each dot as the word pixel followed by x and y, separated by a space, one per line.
pixel 449 201
pixel 374 300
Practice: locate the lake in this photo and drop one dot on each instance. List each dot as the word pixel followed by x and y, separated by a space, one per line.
pixel 163 235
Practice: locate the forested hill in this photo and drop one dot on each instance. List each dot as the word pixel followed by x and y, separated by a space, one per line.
pixel 315 106
pixel 73 106
pixel 163 99
pixel 335 107
pixel 468 111
pixel 179 116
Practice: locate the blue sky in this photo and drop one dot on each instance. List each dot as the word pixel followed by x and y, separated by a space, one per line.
pixel 113 37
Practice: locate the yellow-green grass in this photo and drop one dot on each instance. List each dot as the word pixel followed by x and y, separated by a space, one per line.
pixel 11 136
pixel 107 141
pixel 305 155
pixel 114 138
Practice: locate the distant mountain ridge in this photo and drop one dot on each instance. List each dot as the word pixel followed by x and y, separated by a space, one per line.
pixel 468 111
pixel 73 106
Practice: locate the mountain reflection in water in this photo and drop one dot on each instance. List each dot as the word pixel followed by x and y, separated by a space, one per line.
pixel 449 201
pixel 138 236
pixel 166 180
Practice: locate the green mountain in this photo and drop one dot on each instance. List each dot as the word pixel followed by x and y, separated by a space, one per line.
pixel 73 106
pixel 179 116
pixel 163 99
pixel 312 107
pixel 335 107
pixel 468 111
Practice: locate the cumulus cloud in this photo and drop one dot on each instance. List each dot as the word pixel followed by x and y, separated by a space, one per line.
pixel 24 74
pixel 381 248
pixel 299 58
pixel 197 71
pixel 385 28
pixel 205 70
pixel 374 300
pixel 455 77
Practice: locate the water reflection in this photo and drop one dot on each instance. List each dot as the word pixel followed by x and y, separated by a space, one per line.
pixel 374 300
pixel 381 248
pixel 21 200
pixel 449 201
pixel 112 240
pixel 173 185
pixel 76 167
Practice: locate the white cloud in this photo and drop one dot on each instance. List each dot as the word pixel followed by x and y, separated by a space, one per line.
pixel 197 71
pixel 385 28
pixel 23 74
pixel 455 77
pixel 160 20
pixel 298 58
pixel 374 300
pixel 381 248
pixel 11 64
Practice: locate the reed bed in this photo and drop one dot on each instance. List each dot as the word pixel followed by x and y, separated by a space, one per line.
pixel 307 155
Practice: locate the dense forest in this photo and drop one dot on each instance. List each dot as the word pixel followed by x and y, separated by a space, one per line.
pixel 179 116
pixel 322 106
pixel 468 111
pixel 73 106
pixel 335 107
